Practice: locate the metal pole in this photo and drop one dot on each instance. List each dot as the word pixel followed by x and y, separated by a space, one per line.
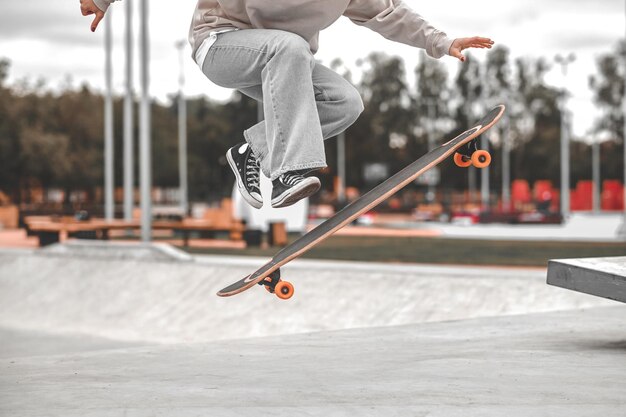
pixel 564 162
pixel 109 205
pixel 624 142
pixel 565 154
pixel 430 196
pixel 182 132
pixel 341 167
pixel 145 162
pixel 471 171
pixel 484 176
pixel 129 180
pixel 506 166
pixel 595 167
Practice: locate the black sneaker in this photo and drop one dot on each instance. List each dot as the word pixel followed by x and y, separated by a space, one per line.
pixel 246 168
pixel 292 187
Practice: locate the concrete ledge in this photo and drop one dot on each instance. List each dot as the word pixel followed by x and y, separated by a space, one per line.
pixel 603 277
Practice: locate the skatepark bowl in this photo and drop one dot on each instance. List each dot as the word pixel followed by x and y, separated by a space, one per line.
pixel 93 329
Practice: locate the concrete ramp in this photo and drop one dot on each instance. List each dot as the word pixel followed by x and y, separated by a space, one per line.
pixel 104 331
pixel 603 277
pixel 172 300
pixel 561 364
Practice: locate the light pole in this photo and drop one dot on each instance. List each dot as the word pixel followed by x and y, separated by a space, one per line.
pixel 129 175
pixel 565 156
pixel 341 167
pixel 484 178
pixel 109 204
pixel 432 114
pixel 595 173
pixel 145 148
pixel 624 139
pixel 182 131
pixel 506 165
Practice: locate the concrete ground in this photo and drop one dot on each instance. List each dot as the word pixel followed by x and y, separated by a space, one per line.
pixel 117 334
pixel 551 364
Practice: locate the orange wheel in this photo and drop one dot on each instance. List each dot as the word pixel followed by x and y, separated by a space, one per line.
pixel 481 159
pixel 462 160
pixel 284 290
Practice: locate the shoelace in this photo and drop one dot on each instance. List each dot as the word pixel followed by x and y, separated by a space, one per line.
pixel 291 179
pixel 252 172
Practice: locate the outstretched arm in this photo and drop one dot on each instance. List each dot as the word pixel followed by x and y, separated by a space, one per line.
pixel 398 22
pixel 96 7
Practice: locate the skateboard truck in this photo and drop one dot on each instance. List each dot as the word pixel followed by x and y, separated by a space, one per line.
pixel 273 284
pixel 471 155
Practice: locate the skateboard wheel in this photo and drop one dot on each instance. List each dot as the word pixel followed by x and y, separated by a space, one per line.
pixel 481 159
pixel 462 160
pixel 284 290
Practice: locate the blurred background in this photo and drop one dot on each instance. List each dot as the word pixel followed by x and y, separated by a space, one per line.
pixel 69 110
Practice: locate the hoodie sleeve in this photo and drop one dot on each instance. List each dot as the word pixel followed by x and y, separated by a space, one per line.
pixel 397 22
pixel 103 4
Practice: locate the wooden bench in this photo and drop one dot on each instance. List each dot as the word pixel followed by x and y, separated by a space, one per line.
pixel 50 228
pixel 9 215
pixel 49 232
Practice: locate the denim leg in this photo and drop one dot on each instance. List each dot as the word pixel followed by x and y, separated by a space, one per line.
pixel 338 102
pixel 303 102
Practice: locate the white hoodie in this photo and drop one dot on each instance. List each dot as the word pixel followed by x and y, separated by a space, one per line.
pixel 393 19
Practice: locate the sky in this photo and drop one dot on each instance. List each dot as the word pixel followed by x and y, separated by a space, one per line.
pixel 51 40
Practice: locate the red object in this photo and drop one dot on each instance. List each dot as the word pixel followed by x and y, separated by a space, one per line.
pixel 542 190
pixel 581 198
pixel 612 195
pixel 520 192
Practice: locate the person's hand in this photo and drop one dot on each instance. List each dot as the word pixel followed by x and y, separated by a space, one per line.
pixel 460 44
pixel 88 7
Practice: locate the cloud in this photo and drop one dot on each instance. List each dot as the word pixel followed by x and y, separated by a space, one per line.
pixel 60 24
pixel 50 38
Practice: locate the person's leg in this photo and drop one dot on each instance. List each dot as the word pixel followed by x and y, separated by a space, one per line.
pixel 338 104
pixel 281 62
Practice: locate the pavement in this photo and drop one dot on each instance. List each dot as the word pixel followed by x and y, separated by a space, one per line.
pixel 116 331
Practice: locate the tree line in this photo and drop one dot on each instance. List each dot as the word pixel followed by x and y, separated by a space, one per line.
pixel 55 139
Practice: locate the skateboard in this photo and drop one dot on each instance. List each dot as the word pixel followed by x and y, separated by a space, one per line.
pixel 466 153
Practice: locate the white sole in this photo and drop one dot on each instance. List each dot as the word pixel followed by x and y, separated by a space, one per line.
pixel 242 188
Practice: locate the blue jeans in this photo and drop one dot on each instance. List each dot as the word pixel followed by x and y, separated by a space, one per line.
pixel 304 102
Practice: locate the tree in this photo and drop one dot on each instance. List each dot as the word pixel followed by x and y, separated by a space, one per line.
pixel 433 95
pixel 44 156
pixel 468 89
pixel 9 143
pixel 536 124
pixel 383 132
pixel 608 89
pixel 5 65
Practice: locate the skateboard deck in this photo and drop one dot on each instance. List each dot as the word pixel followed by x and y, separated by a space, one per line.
pixel 466 153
